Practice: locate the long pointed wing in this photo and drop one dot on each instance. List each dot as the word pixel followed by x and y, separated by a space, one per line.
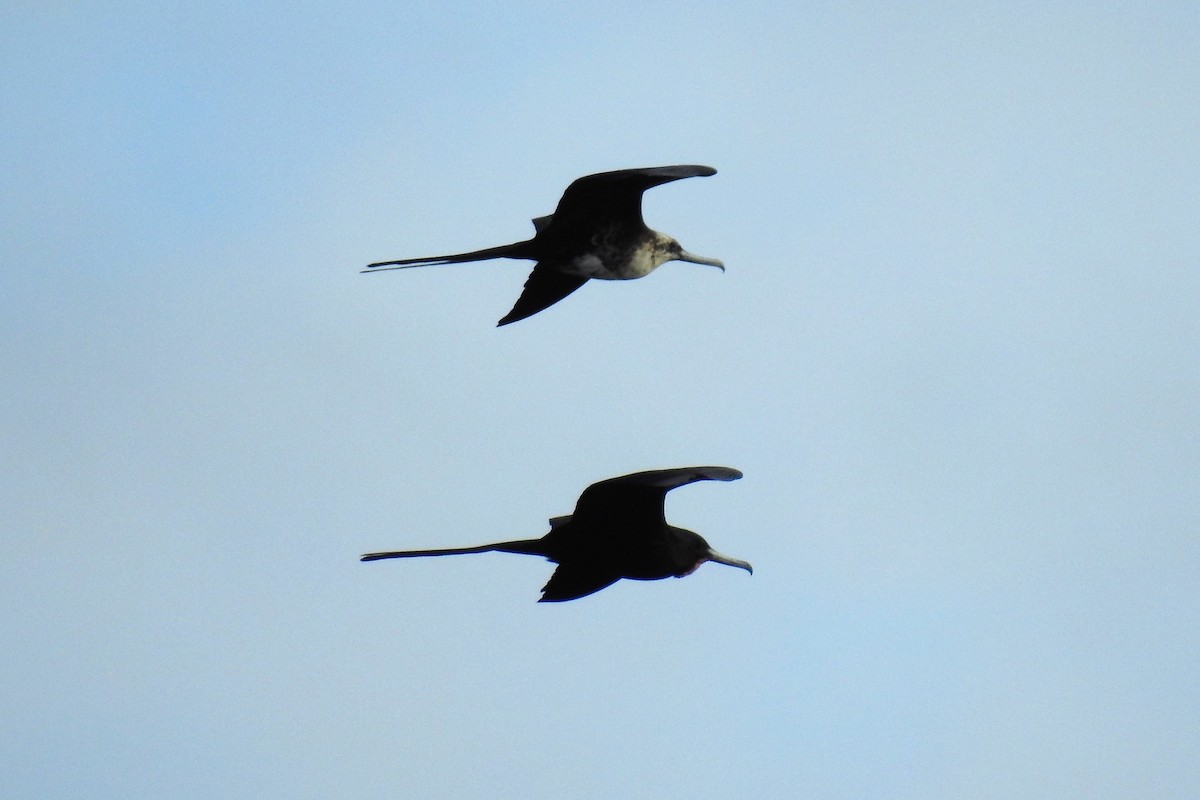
pixel 640 495
pixel 575 581
pixel 545 287
pixel 617 194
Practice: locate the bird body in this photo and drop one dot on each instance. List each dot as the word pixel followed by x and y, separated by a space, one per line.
pixel 623 259
pixel 618 530
pixel 597 231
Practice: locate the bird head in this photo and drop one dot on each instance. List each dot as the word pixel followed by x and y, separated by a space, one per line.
pixel 668 249
pixel 699 551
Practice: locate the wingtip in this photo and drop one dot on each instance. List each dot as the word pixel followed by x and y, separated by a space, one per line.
pixel 695 170
pixel 723 473
pixel 513 316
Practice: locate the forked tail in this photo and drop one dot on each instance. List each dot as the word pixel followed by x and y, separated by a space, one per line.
pixel 532 547
pixel 514 250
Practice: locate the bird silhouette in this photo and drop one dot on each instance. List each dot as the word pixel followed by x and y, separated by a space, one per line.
pixel 597 231
pixel 618 530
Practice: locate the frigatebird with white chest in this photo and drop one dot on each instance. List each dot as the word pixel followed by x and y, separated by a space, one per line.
pixel 618 530
pixel 597 231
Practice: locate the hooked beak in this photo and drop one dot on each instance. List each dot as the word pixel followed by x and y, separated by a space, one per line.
pixel 684 255
pixel 720 558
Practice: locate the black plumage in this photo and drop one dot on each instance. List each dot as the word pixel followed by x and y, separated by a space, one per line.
pixel 597 231
pixel 618 530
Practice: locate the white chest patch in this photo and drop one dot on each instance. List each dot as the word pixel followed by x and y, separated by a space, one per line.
pixel 590 266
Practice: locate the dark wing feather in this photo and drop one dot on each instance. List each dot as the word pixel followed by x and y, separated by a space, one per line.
pixel 640 495
pixel 570 582
pixel 545 287
pixel 605 196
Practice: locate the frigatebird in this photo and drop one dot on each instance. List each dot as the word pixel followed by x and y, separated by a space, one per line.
pixel 618 530
pixel 597 231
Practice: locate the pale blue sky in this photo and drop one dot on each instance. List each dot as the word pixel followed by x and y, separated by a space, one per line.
pixel 955 353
